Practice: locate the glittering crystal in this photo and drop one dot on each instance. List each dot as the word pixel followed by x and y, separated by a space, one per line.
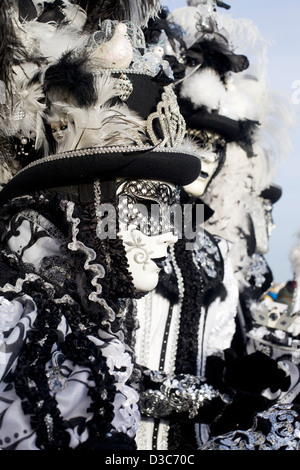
pixel 56 381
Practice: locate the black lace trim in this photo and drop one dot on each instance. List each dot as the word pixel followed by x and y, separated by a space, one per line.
pixel 199 290
pixel 187 346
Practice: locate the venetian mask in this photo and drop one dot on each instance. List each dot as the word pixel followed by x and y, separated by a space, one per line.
pixel 146 227
pixel 263 225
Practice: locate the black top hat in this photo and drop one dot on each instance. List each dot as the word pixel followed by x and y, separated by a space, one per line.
pixel 225 127
pixel 231 130
pixel 273 193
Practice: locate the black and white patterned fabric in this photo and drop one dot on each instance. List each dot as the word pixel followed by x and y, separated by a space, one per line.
pixel 66 372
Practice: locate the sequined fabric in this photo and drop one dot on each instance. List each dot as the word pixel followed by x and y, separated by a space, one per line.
pixel 277 428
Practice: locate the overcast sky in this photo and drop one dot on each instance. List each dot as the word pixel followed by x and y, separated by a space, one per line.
pixel 278 22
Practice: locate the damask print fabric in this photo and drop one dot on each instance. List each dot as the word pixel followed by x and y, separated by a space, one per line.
pixel 57 366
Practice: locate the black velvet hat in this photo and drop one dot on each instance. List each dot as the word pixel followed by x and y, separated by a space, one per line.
pixel 229 129
pixel 82 84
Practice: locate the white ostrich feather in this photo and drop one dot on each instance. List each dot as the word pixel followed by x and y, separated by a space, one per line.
pixel 106 89
pixel 295 257
pixel 276 125
pixel 140 11
pixel 75 15
pixel 295 263
pixel 249 97
pixel 105 126
pixel 25 117
pixel 189 144
pixel 246 38
pixel 32 103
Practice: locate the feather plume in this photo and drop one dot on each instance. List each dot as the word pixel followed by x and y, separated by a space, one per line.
pixel 137 11
pixel 187 17
pixel 56 12
pixel 50 41
pixel 32 103
pixel 101 127
pixel 12 49
pixel 246 38
pixel 9 166
pixel 75 15
pixel 248 97
pixel 191 145
pixel 228 197
pixel 102 124
pixel 70 80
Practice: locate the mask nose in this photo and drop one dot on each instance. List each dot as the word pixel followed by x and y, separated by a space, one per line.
pixel 169 238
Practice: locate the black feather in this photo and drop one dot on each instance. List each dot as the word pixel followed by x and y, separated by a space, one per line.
pixel 174 33
pixel 70 80
pixel 27 10
pixel 223 5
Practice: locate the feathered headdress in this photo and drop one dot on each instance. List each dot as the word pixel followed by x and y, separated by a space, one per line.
pixel 101 123
pixel 295 263
pixel 12 50
pixel 237 104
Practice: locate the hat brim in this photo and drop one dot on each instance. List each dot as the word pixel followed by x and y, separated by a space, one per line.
pixel 85 166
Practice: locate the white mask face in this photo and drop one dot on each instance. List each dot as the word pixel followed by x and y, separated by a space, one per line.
pixel 210 162
pixel 261 216
pixel 59 131
pixel 146 239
